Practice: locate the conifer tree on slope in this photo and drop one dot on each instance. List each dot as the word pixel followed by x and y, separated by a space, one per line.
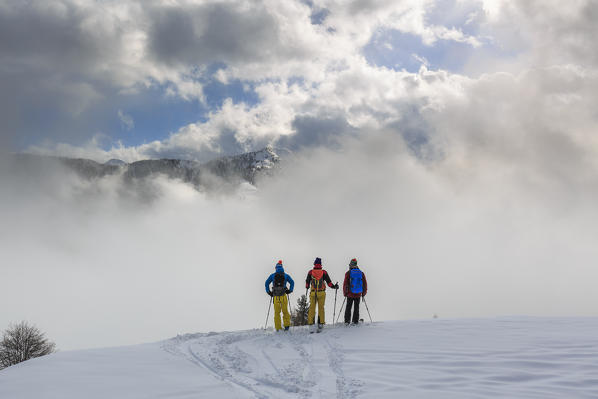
pixel 299 316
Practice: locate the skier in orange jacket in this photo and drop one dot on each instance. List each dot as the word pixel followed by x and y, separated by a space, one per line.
pixel 317 279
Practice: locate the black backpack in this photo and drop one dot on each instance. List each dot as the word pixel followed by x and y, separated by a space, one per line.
pixel 279 287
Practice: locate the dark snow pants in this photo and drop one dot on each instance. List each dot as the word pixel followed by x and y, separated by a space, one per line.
pixel 355 303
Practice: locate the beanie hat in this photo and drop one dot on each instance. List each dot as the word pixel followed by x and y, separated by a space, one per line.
pixel 279 268
pixel 318 261
pixel 353 263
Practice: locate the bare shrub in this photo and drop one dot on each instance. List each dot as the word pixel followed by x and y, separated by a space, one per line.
pixel 22 342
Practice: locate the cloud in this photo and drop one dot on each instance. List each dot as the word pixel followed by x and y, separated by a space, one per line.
pixel 215 32
pixel 431 238
pixel 86 62
pixel 537 124
pixel 311 131
pixel 127 121
pixel 572 29
pixel 54 56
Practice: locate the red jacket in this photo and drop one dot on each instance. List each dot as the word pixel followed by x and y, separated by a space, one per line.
pixel 317 273
pixel 347 285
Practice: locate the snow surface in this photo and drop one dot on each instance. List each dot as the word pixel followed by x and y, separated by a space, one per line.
pixel 516 357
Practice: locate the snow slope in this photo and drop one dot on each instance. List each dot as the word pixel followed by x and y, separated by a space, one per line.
pixel 518 357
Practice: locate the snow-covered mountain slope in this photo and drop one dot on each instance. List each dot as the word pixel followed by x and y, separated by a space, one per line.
pixel 232 170
pixel 476 358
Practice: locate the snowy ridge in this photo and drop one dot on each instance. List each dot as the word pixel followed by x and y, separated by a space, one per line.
pixel 517 357
pixel 265 159
pixel 230 170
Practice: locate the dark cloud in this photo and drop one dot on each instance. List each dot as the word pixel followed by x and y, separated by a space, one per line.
pixel 48 52
pixel 38 32
pixel 311 132
pixel 416 132
pixel 214 33
pixel 366 6
pixel 36 105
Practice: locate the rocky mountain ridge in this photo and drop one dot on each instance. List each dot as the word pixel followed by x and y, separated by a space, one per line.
pixel 227 170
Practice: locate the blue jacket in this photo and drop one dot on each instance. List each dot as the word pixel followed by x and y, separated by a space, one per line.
pixel 287 279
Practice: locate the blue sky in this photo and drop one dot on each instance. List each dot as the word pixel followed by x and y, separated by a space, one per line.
pixel 156 114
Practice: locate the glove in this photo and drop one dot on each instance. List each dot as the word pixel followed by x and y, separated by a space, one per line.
pixel 288 291
pixel 270 293
pixel 335 286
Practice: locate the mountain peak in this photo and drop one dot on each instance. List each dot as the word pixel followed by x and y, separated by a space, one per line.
pixel 264 158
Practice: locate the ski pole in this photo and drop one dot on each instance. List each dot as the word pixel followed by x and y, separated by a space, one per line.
pixel 366 308
pixel 289 304
pixel 334 313
pixel 341 309
pixel 268 315
pixel 316 320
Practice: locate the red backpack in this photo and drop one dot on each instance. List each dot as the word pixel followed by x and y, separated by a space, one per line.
pixel 317 280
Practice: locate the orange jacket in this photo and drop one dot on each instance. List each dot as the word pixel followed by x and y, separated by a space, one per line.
pixel 316 276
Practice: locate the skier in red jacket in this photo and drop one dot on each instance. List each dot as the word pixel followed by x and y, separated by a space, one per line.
pixel 354 287
pixel 317 279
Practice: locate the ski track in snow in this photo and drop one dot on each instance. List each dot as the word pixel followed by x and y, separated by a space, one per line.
pixel 467 359
pixel 264 364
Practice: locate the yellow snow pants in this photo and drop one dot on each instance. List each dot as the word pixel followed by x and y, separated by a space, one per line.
pixel 281 303
pixel 311 314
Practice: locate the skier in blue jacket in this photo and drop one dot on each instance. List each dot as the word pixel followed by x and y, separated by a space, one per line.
pixel 355 287
pixel 279 293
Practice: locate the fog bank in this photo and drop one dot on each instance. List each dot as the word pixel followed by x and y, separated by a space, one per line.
pixel 101 263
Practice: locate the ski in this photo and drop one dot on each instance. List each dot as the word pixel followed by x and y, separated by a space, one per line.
pixel 315 329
